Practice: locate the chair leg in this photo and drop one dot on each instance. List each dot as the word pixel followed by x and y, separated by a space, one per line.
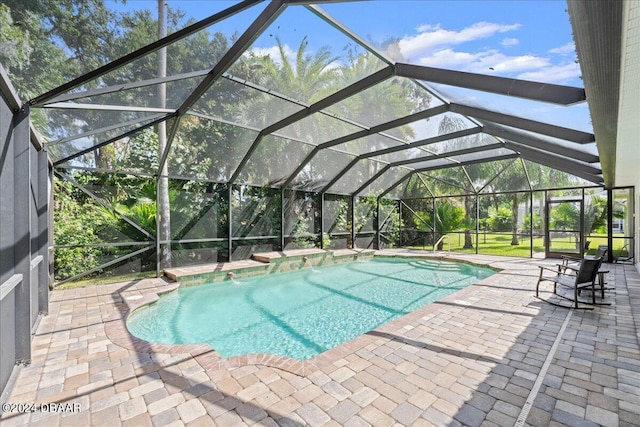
pixel 575 296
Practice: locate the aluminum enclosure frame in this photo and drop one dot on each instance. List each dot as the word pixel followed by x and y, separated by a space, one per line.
pixel 534 144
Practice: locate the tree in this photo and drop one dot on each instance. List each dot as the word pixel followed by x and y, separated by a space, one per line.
pixel 309 78
pixel 500 219
pixel 514 220
pixel 450 124
pixel 15 46
pixel 448 218
pixel 513 177
pixel 595 214
pixel 566 216
pixel 66 39
pixel 163 205
pixel 306 77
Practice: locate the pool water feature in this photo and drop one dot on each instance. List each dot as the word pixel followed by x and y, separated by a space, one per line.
pixel 302 313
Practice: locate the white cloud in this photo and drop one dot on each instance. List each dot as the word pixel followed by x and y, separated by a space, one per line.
pixel 511 64
pixel 435 46
pixel 484 61
pixel 510 42
pixel 427 27
pixel 553 74
pixel 567 49
pixel 448 58
pixel 274 53
pixel 431 37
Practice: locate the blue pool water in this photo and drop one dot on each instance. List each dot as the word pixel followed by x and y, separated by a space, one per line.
pixel 301 313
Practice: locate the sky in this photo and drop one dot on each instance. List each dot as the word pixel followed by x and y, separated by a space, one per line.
pixel 528 40
pixel 524 39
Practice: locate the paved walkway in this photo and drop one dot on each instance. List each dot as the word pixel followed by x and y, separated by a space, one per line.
pixel 470 359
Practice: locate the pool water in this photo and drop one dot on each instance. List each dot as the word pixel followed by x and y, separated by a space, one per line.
pixel 302 313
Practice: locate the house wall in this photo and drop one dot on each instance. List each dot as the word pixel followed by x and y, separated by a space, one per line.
pixel 24 233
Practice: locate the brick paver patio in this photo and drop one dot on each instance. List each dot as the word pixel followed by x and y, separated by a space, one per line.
pixel 471 359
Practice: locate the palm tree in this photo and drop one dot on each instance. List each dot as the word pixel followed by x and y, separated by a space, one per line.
pixel 308 79
pixel 512 177
pixel 449 218
pixel 450 124
pixel 596 213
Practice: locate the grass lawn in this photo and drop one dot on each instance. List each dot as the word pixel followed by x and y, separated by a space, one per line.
pixel 489 244
pixel 500 244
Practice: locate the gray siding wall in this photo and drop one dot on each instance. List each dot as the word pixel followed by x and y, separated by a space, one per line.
pixel 24 233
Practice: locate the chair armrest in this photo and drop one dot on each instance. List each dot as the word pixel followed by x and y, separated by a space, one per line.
pixel 553 270
pixel 566 259
pixel 570 267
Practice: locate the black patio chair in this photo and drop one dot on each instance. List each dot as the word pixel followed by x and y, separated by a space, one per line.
pixel 574 262
pixel 583 278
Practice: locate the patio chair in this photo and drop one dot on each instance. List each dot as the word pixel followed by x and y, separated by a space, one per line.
pixel 584 278
pixel 624 259
pixel 573 262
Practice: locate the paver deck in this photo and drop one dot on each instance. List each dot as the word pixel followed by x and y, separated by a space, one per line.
pixel 470 359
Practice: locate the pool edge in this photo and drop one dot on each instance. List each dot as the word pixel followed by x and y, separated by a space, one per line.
pixel 209 359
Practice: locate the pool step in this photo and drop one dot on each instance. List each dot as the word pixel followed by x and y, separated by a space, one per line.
pixel 304 258
pixel 216 272
pixel 264 263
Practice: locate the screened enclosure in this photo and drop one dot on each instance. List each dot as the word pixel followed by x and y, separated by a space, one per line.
pixel 202 147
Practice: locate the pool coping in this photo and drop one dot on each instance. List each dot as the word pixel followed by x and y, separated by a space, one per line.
pixel 208 358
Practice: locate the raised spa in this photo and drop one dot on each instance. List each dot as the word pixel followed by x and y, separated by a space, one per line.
pixel 302 313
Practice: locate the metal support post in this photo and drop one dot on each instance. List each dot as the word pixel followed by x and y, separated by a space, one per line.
pixel 22 225
pixel 43 231
pixel 321 220
pixel 377 222
pixel 583 231
pixel 610 225
pixel 50 224
pixel 353 222
pixel 477 223
pixel 399 223
pixel 158 220
pixel 282 218
pixel 230 223
pixel 531 224
pixel 434 221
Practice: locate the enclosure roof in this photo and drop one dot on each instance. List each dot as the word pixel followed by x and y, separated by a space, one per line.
pixel 360 123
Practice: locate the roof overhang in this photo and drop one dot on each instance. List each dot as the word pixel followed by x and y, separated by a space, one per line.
pixel 597 31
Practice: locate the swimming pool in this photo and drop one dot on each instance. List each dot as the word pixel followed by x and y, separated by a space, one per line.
pixel 302 313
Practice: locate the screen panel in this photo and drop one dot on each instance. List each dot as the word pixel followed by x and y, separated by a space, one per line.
pixel 324 166
pixel 301 219
pixel 323 69
pixel 386 101
pixel 273 161
pixel 362 171
pixel 207 149
pixel 199 210
pixel 256 212
pixel 231 100
pixel 136 153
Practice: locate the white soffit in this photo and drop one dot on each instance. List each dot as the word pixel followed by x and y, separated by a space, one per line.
pixel 628 144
